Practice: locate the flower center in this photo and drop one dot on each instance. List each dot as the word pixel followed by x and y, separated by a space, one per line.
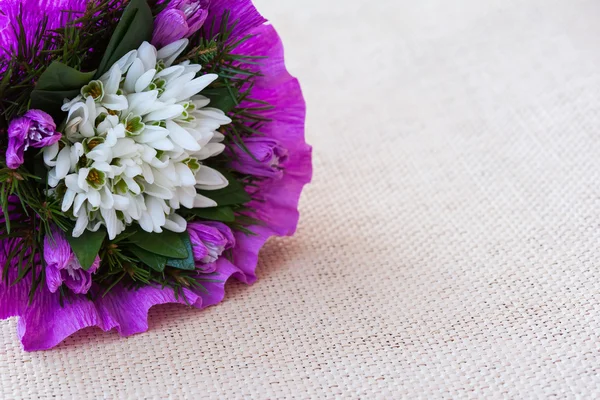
pixel 95 89
pixel 34 133
pixel 91 144
pixel 95 178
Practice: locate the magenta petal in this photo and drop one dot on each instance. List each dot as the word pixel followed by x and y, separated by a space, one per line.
pixel 215 291
pixel 242 11
pixel 53 279
pixel 46 323
pixel 127 310
pixel 13 298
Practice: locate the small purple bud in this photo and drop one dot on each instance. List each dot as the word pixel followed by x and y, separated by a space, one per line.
pixel 35 129
pixel 181 19
pixel 209 241
pixel 62 266
pixel 268 157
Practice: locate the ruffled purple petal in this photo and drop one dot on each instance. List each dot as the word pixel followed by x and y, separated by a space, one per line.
pixel 46 323
pixel 215 291
pixel 242 11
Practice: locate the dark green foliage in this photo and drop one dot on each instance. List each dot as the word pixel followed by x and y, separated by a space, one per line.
pixel 86 246
pixel 167 243
pixel 135 27
pixel 154 261
pixel 186 263
pixel 57 83
pixel 222 214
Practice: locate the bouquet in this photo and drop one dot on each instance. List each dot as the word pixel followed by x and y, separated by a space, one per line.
pixel 149 148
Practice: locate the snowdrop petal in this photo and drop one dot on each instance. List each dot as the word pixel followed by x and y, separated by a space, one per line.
pixel 210 150
pixel 195 86
pixel 147 54
pixel 204 202
pixel 145 80
pixel 115 102
pixel 81 224
pixel 142 103
pixel 159 191
pixel 176 223
pixel 210 179
pixel 111 83
pixel 135 72
pixel 165 113
pixel 68 200
pixel 170 52
pixel 50 153
pixel 152 134
pixel 182 137
pixel 63 163
pixel 79 200
pixel 112 223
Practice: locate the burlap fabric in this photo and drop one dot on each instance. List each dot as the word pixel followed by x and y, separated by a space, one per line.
pixel 449 242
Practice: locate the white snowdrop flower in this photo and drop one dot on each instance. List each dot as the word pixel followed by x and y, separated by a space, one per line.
pixel 134 145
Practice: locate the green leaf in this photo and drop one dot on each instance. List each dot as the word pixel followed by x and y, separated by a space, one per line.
pixel 154 261
pixel 135 27
pixel 57 83
pixel 167 244
pixel 60 77
pixel 87 246
pixel 223 98
pixel 223 214
pixel 233 194
pixel 188 263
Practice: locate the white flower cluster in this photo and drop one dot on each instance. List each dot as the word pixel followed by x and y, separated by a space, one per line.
pixel 134 142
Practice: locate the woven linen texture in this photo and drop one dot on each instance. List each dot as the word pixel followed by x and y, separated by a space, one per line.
pixel 449 246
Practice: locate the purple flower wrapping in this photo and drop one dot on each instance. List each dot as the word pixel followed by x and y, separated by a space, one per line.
pixel 45 323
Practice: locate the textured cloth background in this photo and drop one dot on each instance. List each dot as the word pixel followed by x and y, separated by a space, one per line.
pixel 449 246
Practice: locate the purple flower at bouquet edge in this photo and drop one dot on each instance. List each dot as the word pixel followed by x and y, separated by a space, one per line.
pixel 35 129
pixel 62 266
pixel 267 157
pixel 181 19
pixel 209 241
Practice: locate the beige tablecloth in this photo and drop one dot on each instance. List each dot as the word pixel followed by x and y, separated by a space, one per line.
pixel 449 246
